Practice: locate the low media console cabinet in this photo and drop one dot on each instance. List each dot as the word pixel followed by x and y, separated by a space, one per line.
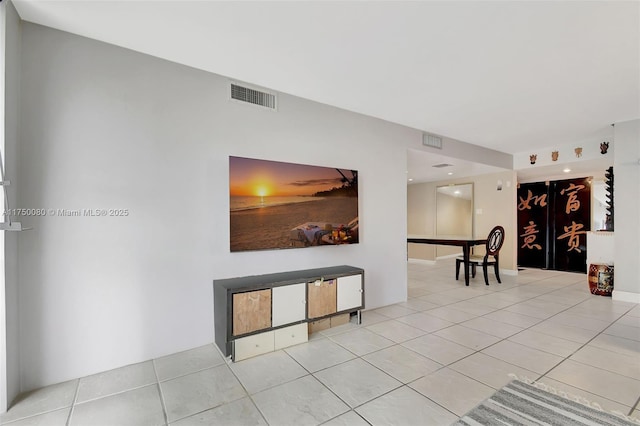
pixel 262 313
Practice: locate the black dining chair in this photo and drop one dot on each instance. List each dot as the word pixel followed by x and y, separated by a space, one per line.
pixel 493 246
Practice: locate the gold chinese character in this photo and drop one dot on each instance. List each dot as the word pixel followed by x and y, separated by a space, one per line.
pixel 573 233
pixel 530 236
pixel 540 200
pixel 573 204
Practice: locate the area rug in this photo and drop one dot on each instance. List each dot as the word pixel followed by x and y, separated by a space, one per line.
pixel 519 403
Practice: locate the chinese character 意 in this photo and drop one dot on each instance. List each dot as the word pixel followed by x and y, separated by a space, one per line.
pixel 530 236
pixel 573 204
pixel 573 233
pixel 540 200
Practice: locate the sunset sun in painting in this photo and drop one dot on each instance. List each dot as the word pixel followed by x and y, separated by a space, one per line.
pixel 283 205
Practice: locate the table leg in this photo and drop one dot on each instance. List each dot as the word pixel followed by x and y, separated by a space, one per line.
pixel 466 249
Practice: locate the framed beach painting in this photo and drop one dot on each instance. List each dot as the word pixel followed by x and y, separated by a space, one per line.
pixel 276 205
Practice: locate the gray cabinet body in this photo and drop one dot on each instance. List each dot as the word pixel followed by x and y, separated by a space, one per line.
pixel 224 289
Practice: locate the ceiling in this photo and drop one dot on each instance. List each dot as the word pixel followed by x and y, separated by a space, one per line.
pixel 504 75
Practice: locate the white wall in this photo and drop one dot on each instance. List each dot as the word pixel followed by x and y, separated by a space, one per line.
pixel 491 208
pixel 626 201
pixel 111 128
pixel 10 81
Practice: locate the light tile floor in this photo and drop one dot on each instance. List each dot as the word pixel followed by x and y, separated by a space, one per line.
pixel 425 361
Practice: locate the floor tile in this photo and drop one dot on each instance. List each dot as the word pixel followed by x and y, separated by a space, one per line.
pixel 319 354
pixel 567 332
pixel 617 344
pixel 491 327
pixel 615 362
pixel 41 400
pixel 450 314
pixel 371 317
pixel 357 381
pixel 438 349
pixel 546 343
pixel 629 320
pixel 595 380
pixel 405 406
pixel 304 401
pixel 266 371
pixel 187 362
pixel 425 322
pixel 418 305
pixel 452 390
pixel 396 331
pixel 196 392
pixel 537 310
pixel 394 311
pixel 512 318
pixel 114 381
pixel 468 337
pixel 140 406
pixel 471 307
pixel 402 363
pixel 490 371
pixel 573 393
pixel 622 330
pixel 242 412
pixel 350 418
pixel 565 318
pixel 361 341
pixel 52 418
pixel 440 299
pixel 523 356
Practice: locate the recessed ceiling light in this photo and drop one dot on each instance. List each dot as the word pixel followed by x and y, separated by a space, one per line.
pixel 410 180
pixel 450 173
pixel 456 192
pixel 566 170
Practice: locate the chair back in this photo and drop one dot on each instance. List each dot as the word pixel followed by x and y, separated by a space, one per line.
pixel 495 240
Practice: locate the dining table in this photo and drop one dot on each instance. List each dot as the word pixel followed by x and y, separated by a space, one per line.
pixel 450 240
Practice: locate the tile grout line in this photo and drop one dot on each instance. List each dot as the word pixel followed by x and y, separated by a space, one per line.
pixel 162 402
pixel 73 403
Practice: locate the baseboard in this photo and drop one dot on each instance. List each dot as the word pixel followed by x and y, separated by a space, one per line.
pixel 625 296
pixel 509 272
pixel 421 261
pixel 448 256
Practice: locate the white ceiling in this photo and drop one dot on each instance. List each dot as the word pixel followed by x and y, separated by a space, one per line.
pixel 504 75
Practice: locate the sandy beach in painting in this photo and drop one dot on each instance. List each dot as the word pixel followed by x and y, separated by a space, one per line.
pixel 270 227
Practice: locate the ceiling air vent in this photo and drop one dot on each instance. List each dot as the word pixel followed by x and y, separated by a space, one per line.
pixel 252 96
pixel 443 165
pixel 432 141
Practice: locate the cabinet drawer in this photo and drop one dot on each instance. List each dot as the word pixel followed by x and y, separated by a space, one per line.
pixel 322 298
pixel 290 336
pixel 246 347
pixel 251 311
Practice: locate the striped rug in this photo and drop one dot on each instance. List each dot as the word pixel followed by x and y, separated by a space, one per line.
pixel 519 403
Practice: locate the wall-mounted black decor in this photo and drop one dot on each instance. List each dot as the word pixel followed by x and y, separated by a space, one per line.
pixel 608 222
pixel 553 220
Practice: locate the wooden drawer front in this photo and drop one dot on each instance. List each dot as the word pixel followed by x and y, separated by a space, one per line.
pixel 290 336
pixel 246 347
pixel 251 311
pixel 349 292
pixel 289 303
pixel 322 298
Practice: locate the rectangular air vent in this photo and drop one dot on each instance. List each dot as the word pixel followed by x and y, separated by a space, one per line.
pixel 432 141
pixel 440 166
pixel 252 96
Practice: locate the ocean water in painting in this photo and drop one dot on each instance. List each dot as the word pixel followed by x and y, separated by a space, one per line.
pixel 238 203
